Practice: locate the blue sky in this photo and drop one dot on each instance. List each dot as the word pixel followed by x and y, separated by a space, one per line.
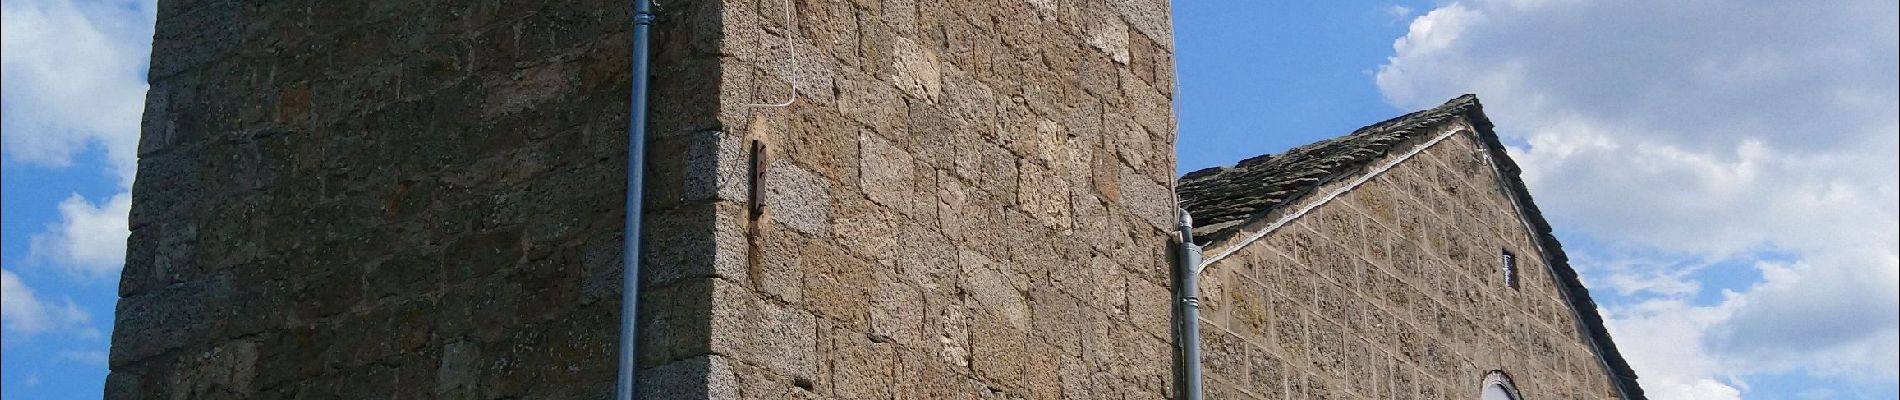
pixel 1722 172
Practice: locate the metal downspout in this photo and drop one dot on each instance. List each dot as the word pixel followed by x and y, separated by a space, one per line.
pixel 636 180
pixel 1187 271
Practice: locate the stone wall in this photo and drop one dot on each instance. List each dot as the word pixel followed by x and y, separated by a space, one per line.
pixel 409 199
pixel 1395 291
pixel 966 200
pixel 422 199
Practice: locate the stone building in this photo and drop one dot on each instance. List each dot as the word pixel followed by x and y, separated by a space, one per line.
pixel 421 199
pixel 1402 261
pixel 970 199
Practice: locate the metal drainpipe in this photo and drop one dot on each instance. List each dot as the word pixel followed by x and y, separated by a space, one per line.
pixel 1187 271
pixel 636 179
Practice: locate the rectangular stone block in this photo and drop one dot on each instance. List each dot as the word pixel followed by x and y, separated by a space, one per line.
pixel 838 285
pixel 999 353
pixel 760 331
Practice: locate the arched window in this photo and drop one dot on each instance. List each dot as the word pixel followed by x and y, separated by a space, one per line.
pixel 1497 386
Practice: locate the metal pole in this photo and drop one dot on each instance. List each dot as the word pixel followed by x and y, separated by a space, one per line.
pixel 630 235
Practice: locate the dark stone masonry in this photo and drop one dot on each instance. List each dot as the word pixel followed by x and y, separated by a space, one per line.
pixel 971 199
pixel 406 199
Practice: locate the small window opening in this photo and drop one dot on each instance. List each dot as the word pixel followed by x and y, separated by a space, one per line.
pixel 1510 269
pixel 1498 386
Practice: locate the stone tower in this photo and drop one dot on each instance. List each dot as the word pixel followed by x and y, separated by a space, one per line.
pixel 421 199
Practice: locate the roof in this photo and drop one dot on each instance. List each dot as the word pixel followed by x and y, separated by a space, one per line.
pixel 1223 199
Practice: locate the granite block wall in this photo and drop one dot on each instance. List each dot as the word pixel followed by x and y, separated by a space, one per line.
pixel 965 200
pixel 421 199
pixel 1395 290
pixel 397 199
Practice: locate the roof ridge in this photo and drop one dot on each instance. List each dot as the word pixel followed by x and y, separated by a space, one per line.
pixel 1323 159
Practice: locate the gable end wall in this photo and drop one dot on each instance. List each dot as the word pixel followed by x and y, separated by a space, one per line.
pixel 1394 290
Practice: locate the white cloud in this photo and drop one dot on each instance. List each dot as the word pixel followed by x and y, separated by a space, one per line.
pixel 1830 316
pixel 1686 133
pixel 1632 275
pixel 1398 13
pixel 74 73
pixel 89 240
pixel 23 314
pixel 1669 355
pixel 1688 351
pixel 1435 31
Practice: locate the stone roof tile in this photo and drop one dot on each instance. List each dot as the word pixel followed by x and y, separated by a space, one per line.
pixel 1221 199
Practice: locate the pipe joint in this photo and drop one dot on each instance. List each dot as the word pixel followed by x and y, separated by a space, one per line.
pixel 1187 318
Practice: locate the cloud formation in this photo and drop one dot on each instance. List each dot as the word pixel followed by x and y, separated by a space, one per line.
pixel 1688 136
pixel 23 314
pixel 1398 13
pixel 89 240
pixel 75 78
pixel 75 82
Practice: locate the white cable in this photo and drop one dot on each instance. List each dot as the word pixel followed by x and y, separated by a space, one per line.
pixel 1323 200
pixel 791 47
